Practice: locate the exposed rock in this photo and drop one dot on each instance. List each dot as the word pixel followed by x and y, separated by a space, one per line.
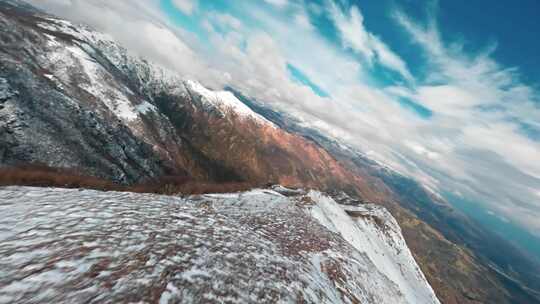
pixel 5 90
pixel 72 246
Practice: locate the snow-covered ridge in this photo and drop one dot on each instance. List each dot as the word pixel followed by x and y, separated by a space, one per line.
pixel 76 64
pixel 260 246
pixel 372 230
pixel 152 76
pixel 224 101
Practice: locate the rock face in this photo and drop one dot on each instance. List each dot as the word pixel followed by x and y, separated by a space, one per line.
pixel 72 246
pixel 50 106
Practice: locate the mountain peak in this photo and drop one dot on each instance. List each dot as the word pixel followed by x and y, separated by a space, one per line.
pixel 225 101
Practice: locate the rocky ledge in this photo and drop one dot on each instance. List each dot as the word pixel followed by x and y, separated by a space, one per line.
pixel 260 246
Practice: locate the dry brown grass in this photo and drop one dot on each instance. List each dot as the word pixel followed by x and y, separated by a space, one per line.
pixel 189 187
pixel 44 176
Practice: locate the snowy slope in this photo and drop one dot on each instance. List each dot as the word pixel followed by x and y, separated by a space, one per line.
pixel 225 101
pixel 67 246
pixel 91 77
pixel 150 75
pixel 73 97
pixel 372 230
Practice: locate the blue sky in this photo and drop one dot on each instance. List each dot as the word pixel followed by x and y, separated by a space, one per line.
pixel 446 92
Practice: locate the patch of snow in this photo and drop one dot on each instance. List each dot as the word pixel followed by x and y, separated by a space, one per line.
pixel 384 245
pixel 64 56
pixel 170 293
pixel 116 101
pixel 146 107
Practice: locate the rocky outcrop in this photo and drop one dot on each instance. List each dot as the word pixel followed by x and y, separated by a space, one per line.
pixel 72 246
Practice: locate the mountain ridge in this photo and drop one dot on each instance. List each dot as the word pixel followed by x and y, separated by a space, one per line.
pixel 97 108
pixel 213 247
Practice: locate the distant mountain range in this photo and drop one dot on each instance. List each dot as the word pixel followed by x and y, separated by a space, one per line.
pixel 71 97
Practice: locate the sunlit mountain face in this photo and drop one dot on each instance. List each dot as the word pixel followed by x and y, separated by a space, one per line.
pixel 446 92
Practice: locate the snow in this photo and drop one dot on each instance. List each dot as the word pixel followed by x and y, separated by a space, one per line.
pixel 151 76
pixel 146 107
pixel 116 101
pixel 78 31
pixel 69 246
pixel 385 245
pixel 63 57
pixel 225 101
pixel 170 293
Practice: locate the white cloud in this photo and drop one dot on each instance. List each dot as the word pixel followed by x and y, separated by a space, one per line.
pixel 142 28
pixel 303 21
pixel 278 3
pixel 186 6
pixel 355 36
pixel 479 105
pixel 61 2
pixel 421 150
pixel 225 20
